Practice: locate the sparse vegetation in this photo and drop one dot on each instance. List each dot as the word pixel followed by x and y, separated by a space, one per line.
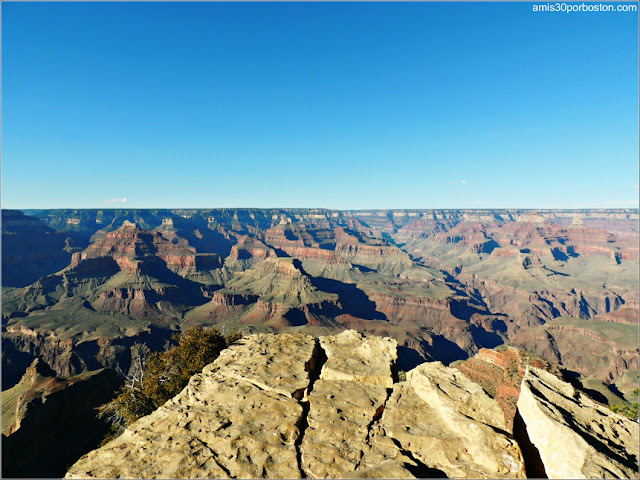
pixel 512 370
pixel 628 409
pixel 157 377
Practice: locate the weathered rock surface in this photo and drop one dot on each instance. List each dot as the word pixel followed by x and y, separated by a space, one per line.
pixel 290 406
pixel 346 401
pixel 450 424
pixel 238 418
pixel 351 357
pixel 576 437
pixel 437 423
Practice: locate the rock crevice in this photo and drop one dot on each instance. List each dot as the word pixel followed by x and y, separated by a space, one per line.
pixel 314 367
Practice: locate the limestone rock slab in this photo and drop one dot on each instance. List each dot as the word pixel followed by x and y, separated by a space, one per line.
pixel 222 424
pixel 344 438
pixel 340 414
pixel 279 363
pixel 451 426
pixel 352 356
pixel 576 437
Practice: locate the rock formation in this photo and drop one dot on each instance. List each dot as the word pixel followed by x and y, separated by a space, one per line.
pixel 240 417
pixel 30 249
pixel 443 283
pixel 48 422
pixel 576 437
pixel 290 406
pixel 499 372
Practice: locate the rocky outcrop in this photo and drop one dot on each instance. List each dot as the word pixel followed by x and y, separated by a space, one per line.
pixel 51 421
pixel 290 406
pixel 239 418
pixel 305 253
pixel 230 299
pixel 574 436
pixel 353 357
pixel 249 247
pixel 499 372
pixel 347 399
pixel 450 425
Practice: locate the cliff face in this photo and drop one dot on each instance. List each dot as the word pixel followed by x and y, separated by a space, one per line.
pixel 50 421
pixel 575 437
pixel 30 249
pixel 291 406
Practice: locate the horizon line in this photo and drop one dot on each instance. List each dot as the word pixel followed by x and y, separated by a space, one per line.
pixel 534 209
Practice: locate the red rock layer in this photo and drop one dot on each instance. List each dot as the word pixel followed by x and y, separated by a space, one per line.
pixel 500 373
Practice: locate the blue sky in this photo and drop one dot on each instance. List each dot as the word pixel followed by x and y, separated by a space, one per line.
pixel 337 105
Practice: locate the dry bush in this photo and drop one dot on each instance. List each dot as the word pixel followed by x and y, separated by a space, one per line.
pixel 159 376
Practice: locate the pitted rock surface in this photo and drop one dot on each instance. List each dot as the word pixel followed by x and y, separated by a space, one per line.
pixel 345 402
pixel 340 414
pixel 352 356
pixel 276 363
pixel 576 437
pixel 221 425
pixel 291 406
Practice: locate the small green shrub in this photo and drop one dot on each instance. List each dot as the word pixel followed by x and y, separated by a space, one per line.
pixel 630 410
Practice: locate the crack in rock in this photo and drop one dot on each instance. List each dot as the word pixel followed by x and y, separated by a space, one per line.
pixel 214 457
pixel 314 367
pixel 374 419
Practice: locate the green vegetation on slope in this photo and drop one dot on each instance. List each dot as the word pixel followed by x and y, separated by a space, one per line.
pixel 626 408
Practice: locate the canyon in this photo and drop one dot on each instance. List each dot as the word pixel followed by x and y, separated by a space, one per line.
pixel 81 287
pixel 490 293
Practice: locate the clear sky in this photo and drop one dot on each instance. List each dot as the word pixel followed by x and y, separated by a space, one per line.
pixel 337 105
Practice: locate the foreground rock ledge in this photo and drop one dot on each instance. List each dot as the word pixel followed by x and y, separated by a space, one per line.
pixel 238 418
pixel 576 437
pixel 450 425
pixel 291 406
